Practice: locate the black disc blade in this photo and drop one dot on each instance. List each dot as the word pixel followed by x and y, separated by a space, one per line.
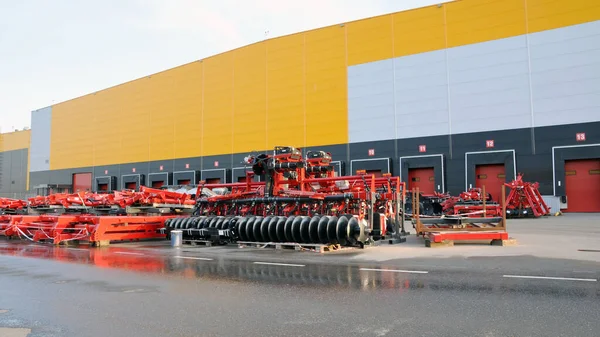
pixel 273 229
pixel 256 228
pixel 296 237
pixel 322 229
pixel 304 235
pixel 264 229
pixel 219 222
pixel 332 230
pixel 281 228
pixel 289 237
pixel 249 229
pixel 313 229
pixel 353 231
pixel 341 230
pixel 241 229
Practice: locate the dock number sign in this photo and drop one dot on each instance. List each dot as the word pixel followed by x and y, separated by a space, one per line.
pixel 489 143
pixel 422 148
pixel 371 152
pixel 580 137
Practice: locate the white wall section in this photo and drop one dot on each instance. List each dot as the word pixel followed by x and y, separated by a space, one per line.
pixel 371 101
pixel 565 73
pixel 479 87
pixel 421 94
pixel 489 86
pixel 40 140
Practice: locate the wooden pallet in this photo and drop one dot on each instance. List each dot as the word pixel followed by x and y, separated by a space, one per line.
pixel 198 243
pixel 447 239
pixel 319 248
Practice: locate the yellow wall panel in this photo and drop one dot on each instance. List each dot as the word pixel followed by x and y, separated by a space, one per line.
pixel 285 91
pixel 73 135
pixel 133 122
pixel 217 109
pixel 470 22
pixel 550 14
pixel 15 140
pixel 250 100
pixel 326 87
pixel 369 40
pixel 419 31
pixel 188 103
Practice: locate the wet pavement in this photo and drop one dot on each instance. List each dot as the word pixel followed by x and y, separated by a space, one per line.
pixel 152 290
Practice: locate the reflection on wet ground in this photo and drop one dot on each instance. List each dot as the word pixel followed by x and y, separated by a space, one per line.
pixel 309 275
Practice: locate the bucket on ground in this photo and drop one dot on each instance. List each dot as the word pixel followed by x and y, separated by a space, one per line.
pixel 176 238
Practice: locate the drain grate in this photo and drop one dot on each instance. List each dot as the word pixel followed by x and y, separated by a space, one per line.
pixel 589 250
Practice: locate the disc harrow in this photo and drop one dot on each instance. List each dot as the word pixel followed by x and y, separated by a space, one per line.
pixel 345 230
pixel 298 200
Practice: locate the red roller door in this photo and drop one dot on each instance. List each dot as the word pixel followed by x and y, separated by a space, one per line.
pixel 213 180
pixel 423 178
pixel 183 182
pixel 157 184
pixel 376 173
pixel 582 185
pixel 492 177
pixel 82 182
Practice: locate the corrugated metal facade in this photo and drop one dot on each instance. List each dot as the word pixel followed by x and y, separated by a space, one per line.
pixel 523 73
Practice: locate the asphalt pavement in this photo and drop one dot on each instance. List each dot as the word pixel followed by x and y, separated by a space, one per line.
pixel 150 289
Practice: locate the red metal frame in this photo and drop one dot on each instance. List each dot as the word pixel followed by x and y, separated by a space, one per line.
pixel 438 237
pixel 524 195
pixel 94 229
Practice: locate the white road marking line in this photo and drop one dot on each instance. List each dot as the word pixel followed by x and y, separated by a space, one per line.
pixel 128 253
pixel 397 270
pixel 194 258
pixel 281 264
pixel 551 278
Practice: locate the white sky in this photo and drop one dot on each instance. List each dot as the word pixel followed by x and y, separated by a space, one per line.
pixel 53 51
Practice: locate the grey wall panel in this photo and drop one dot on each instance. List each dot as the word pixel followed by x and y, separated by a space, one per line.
pixel 421 95
pixel 565 75
pixel 5 172
pixel 489 86
pixel 371 101
pixel 40 139
pixel 13 171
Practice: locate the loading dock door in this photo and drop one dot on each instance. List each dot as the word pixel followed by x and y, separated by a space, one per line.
pixel 213 181
pixel 582 185
pixel 377 173
pixel 423 178
pixel 158 184
pixel 492 177
pixel 82 182
pixel 241 179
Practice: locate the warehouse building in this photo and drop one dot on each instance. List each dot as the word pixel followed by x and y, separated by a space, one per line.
pixel 451 96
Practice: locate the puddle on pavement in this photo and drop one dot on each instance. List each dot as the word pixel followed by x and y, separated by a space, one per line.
pixel 311 275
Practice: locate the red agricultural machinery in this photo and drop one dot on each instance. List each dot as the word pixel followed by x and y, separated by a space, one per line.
pixel 525 200
pixel 12 206
pixel 96 218
pixel 298 201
